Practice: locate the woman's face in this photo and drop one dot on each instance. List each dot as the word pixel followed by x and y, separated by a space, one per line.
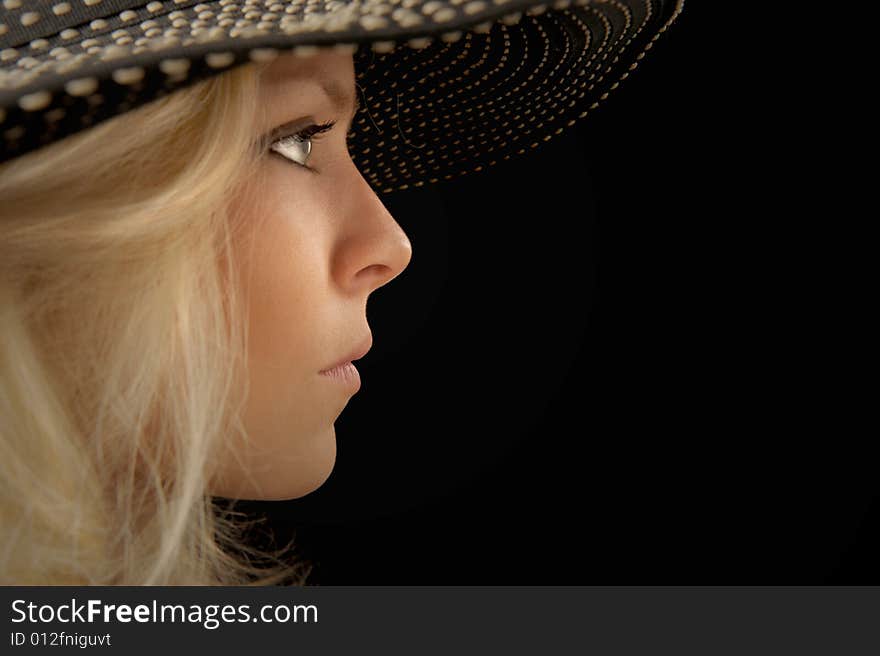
pixel 320 243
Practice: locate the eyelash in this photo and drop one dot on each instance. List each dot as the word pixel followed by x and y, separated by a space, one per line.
pixel 312 132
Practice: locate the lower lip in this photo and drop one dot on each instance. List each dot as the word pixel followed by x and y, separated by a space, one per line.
pixel 346 374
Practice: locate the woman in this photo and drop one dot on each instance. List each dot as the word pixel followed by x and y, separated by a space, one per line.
pixel 190 231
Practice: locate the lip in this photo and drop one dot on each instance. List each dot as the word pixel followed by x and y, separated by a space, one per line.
pixel 356 354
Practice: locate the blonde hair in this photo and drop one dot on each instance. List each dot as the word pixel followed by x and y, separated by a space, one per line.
pixel 122 346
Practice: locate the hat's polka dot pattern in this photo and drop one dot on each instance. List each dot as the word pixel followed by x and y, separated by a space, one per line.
pixel 81 87
pixel 449 86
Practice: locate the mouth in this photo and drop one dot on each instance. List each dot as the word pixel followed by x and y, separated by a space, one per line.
pixel 343 370
pixel 347 374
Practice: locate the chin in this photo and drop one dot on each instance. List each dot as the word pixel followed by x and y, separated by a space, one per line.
pixel 279 483
pixel 299 485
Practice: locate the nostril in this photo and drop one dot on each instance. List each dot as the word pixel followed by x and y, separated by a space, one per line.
pixel 377 272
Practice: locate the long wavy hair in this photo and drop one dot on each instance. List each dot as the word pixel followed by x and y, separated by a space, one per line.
pixel 123 347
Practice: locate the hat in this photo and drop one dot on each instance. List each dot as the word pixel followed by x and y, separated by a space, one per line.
pixel 449 87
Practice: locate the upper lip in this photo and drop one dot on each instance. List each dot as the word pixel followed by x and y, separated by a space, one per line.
pixel 359 352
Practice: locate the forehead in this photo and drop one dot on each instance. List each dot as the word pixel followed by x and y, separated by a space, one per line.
pixel 331 72
pixel 338 67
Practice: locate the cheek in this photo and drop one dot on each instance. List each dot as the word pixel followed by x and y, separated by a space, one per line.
pixel 283 313
pixel 288 416
pixel 284 286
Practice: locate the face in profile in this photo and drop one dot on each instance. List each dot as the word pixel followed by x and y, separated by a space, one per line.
pixel 308 259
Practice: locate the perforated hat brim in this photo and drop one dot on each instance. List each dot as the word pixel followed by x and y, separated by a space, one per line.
pixel 450 87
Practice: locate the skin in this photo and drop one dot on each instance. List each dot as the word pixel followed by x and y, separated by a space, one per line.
pixel 321 243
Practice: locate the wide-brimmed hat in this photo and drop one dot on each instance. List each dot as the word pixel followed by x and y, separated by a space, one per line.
pixel 449 86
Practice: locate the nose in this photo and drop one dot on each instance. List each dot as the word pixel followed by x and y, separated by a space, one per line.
pixel 374 248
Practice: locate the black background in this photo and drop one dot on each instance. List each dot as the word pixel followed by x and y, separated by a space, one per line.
pixel 607 363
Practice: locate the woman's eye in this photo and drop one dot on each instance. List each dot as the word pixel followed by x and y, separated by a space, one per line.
pixel 297 147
